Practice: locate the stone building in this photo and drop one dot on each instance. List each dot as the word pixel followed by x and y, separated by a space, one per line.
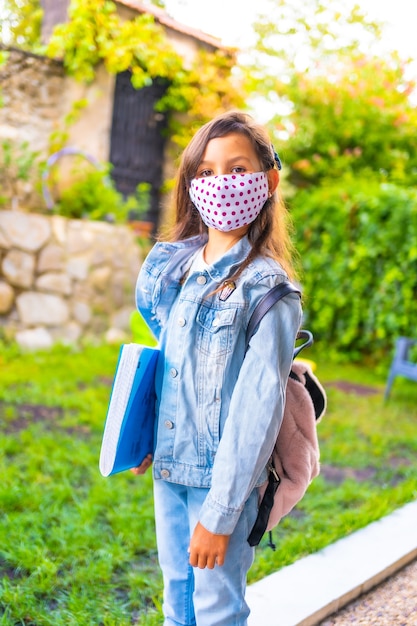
pixel 62 279
pixel 118 124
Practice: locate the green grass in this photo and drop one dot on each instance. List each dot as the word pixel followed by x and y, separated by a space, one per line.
pixel 79 549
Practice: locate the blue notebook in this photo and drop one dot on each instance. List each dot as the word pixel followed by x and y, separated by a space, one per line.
pixel 129 427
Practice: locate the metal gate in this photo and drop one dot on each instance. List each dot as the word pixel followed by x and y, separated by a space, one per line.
pixel 137 140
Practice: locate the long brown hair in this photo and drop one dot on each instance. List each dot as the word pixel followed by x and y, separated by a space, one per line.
pixel 269 232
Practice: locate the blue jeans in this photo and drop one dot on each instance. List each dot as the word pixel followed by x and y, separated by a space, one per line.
pixel 193 596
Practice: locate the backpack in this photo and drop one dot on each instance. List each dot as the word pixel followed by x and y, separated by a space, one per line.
pixel 295 458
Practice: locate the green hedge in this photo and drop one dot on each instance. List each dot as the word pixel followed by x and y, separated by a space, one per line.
pixel 357 240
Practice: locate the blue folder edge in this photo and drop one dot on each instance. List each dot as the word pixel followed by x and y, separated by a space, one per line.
pixel 136 435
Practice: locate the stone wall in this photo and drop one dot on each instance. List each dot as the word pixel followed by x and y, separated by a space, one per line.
pixel 32 93
pixel 63 280
pixel 37 99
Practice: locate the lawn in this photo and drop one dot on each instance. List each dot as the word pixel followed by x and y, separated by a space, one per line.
pixel 79 549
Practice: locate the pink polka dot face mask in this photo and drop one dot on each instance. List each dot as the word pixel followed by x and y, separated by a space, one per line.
pixel 229 202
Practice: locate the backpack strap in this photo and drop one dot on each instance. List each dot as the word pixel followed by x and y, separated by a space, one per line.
pixel 265 304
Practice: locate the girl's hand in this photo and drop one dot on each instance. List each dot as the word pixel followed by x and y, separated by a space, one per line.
pixel 207 549
pixel 141 469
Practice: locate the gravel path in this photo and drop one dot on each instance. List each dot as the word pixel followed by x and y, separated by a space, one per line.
pixel 392 603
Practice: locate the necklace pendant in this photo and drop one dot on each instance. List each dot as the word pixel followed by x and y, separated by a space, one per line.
pixel 227 290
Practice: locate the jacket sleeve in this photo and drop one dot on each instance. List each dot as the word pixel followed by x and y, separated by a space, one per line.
pixel 159 282
pixel 159 278
pixel 249 436
pixel 146 285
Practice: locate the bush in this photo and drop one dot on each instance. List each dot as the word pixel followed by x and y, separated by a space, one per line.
pixel 95 196
pixel 19 168
pixel 358 245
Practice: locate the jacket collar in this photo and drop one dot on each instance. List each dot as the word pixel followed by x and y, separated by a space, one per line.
pixel 230 261
pixel 178 257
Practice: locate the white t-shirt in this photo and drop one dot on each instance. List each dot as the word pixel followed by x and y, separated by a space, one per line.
pixel 198 263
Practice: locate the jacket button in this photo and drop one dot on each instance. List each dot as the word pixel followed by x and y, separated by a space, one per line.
pixel 181 321
pixel 165 473
pixel 173 372
pixel 168 424
pixel 201 279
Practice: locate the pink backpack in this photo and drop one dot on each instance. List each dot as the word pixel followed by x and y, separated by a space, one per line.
pixel 296 454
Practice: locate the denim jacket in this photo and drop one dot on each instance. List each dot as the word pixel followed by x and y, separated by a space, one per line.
pixel 219 406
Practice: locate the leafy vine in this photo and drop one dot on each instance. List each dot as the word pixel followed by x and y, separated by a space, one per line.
pixel 95 34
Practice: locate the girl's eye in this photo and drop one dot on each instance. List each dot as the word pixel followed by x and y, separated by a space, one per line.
pixel 236 169
pixel 204 173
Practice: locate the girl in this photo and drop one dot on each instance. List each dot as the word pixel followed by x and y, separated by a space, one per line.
pixel 219 405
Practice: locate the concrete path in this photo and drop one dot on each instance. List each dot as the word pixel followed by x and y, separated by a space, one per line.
pixel 311 589
pixel 391 603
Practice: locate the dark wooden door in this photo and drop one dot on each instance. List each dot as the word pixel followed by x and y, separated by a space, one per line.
pixel 137 140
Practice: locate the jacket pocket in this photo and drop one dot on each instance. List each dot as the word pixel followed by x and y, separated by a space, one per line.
pixel 215 330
